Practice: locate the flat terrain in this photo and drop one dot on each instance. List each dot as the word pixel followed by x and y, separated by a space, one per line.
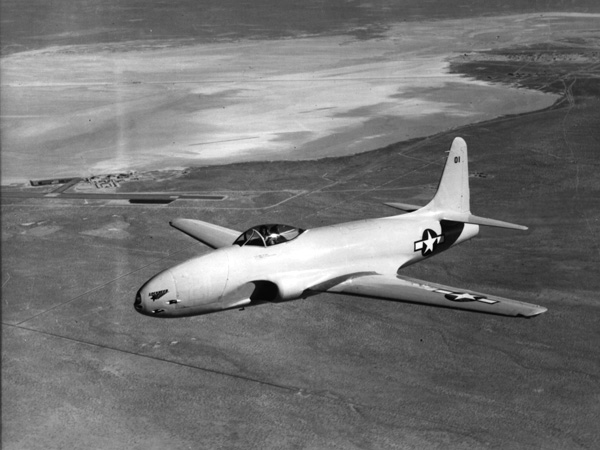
pixel 34 24
pixel 82 369
pixel 93 90
pixel 82 110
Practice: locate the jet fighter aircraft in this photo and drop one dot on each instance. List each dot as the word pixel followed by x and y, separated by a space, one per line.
pixel 277 263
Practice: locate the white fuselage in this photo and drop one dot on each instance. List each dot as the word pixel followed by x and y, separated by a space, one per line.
pixel 237 276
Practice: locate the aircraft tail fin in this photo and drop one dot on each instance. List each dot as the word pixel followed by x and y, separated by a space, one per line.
pixel 452 198
pixel 453 190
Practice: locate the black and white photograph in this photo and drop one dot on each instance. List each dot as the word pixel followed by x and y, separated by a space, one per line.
pixel 231 224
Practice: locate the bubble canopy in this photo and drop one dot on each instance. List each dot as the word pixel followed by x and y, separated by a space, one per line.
pixel 267 235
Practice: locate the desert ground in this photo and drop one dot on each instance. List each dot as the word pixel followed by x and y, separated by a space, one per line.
pixel 84 110
pixel 80 368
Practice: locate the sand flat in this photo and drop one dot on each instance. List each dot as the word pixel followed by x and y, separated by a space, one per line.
pixel 78 110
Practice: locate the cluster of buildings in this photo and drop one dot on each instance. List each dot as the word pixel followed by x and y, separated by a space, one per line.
pixel 110 180
pixel 97 181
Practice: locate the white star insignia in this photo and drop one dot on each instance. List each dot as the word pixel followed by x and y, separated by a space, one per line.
pixel 430 242
pixel 466 297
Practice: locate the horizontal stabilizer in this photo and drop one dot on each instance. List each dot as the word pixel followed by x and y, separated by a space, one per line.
pixel 470 218
pixel 404 206
pixel 208 233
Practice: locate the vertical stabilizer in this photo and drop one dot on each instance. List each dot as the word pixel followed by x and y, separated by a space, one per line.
pixel 451 201
pixel 453 191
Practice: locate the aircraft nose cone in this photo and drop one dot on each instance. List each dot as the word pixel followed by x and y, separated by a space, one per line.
pixel 138 301
pixel 157 295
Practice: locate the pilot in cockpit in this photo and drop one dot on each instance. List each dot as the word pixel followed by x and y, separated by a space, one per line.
pixel 273 237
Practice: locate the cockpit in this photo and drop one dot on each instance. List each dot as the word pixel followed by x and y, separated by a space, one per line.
pixel 267 235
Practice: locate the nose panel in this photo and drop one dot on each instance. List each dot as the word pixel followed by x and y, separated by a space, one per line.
pixel 190 288
pixel 201 280
pixel 157 296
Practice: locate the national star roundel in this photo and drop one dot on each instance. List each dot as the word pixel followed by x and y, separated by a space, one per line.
pixel 462 297
pixel 429 242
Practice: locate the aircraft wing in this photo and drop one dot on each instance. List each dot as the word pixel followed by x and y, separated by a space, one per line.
pixel 208 233
pixel 411 290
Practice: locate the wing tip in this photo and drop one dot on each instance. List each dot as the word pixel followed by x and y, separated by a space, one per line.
pixel 175 222
pixel 534 312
